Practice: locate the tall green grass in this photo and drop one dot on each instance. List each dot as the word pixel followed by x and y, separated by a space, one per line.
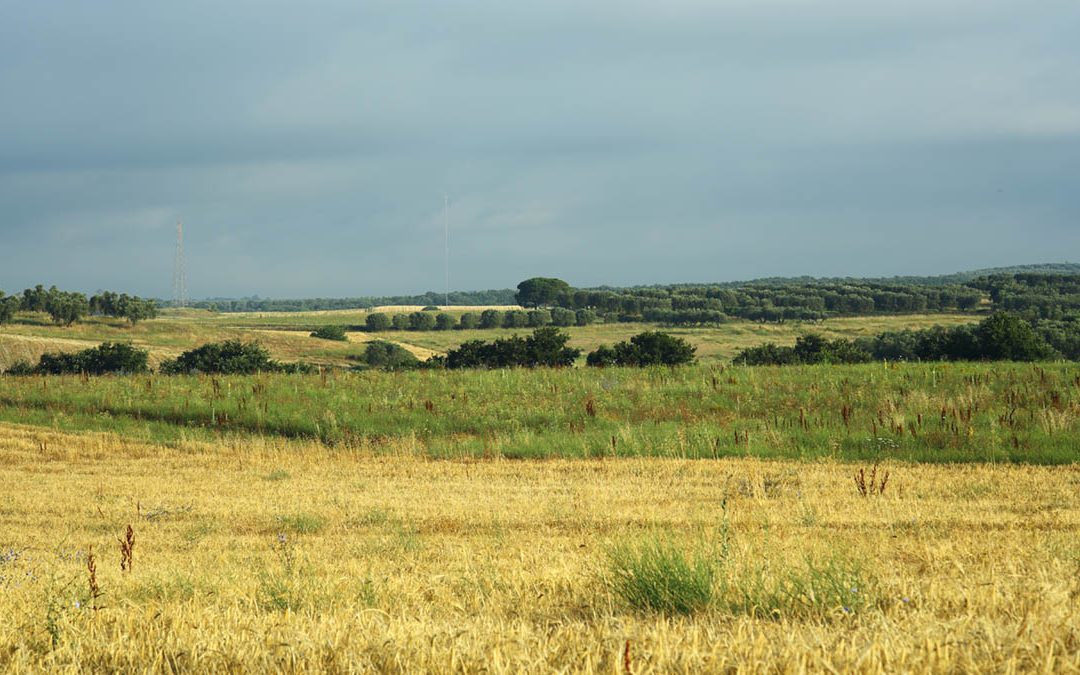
pixel 906 412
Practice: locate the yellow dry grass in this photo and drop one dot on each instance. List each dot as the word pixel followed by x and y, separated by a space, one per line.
pixel 259 555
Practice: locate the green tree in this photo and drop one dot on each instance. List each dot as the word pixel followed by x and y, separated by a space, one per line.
pixel 135 309
pixel 400 322
pixel 66 308
pixel 34 299
pixel 543 292
pixel 1005 337
pixel 8 306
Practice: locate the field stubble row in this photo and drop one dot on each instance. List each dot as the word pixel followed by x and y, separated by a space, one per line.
pixel 269 554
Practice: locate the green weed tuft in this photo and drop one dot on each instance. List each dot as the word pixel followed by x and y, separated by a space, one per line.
pixel 301 523
pixel 656 575
pixel 822 591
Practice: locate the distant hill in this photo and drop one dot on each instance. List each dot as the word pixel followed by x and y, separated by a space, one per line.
pixel 1044 268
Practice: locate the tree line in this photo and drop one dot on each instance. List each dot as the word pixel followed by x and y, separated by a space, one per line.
pixel 67 307
pixel 691 304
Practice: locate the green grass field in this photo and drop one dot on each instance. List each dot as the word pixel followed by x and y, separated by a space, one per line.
pixel 911 412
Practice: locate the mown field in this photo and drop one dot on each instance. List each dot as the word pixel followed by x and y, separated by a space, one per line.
pixel 262 554
pixel 286 335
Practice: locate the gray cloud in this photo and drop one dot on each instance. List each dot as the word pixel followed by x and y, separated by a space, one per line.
pixel 307 147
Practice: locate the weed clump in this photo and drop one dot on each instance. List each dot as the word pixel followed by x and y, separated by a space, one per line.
pixel 657 575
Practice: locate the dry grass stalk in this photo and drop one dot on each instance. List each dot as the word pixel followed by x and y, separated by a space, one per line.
pixel 127 546
pixel 92 580
pixel 870 485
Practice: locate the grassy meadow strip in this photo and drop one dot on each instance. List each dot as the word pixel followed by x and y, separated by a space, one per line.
pixel 908 412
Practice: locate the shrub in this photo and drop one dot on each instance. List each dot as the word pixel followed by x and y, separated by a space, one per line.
pixel 445 321
pixel 539 318
pixel 389 356
pixel 545 347
pixel 21 368
pixel 491 318
pixel 651 348
pixel 601 357
pixel 108 357
pixel 584 317
pixel 331 333
pixel 377 321
pixel 421 321
pixel 229 357
pixel 560 316
pixel 400 322
pixel 656 575
pixel 515 318
pixel 468 321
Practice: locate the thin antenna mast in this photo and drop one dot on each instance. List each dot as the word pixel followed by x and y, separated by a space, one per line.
pixel 179 279
pixel 446 245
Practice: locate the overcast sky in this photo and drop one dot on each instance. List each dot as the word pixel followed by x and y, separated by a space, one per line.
pixel 307 146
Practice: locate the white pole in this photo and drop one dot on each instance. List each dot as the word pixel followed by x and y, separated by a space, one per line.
pixel 446 244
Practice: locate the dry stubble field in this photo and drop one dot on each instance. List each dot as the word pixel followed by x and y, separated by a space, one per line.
pixel 260 554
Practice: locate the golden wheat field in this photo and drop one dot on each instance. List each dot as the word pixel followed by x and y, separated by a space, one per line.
pixel 265 555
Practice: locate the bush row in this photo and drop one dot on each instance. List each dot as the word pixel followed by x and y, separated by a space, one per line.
pixel 489 318
pixel 1000 337
pixel 232 357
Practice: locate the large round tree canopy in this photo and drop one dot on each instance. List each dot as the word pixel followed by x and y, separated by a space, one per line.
pixel 541 292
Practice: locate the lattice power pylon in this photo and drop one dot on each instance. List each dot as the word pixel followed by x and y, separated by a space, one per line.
pixel 179 277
